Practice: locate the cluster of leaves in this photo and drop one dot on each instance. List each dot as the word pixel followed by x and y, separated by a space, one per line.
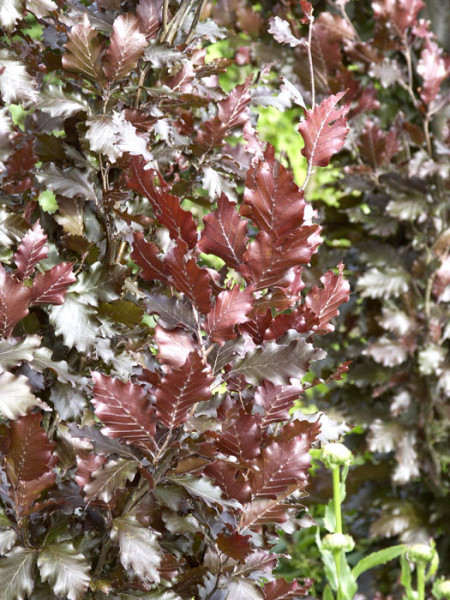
pixel 156 310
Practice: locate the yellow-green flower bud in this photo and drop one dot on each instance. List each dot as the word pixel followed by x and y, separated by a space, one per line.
pixel 441 589
pixel 336 455
pixel 421 553
pixel 334 542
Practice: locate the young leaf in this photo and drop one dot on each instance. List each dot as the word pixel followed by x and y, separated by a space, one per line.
pixel 16 399
pixel 110 478
pixel 126 48
pixel 65 569
pixel 125 410
pixel 181 389
pixel 14 302
pixel 139 548
pixel 224 234
pixel 17 573
pixel 324 130
pixel 33 248
pixel 51 287
pixel 324 302
pixel 84 51
pixel 278 363
pixel 231 308
pixel 374 559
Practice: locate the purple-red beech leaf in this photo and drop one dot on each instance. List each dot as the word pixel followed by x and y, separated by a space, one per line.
pixel 272 199
pixel 181 389
pixel 84 50
pixel 225 233
pixel 166 207
pixel 324 302
pixel 276 400
pixel 145 255
pixel 51 287
pixel 324 129
pixel 281 465
pixel 125 410
pixel 231 113
pixel 149 13
pixel 126 48
pixel 14 302
pixel 231 308
pixel 188 278
pixel 280 589
pixel 32 249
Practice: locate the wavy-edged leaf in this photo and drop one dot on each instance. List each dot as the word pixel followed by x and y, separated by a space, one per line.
pixel 125 410
pixel 324 130
pixel 324 302
pixel 14 302
pixel 278 363
pixel 66 570
pixel 225 233
pixel 84 51
pixel 126 48
pixel 280 589
pixel 111 477
pixel 51 287
pixel 166 206
pixel 181 389
pixel 32 249
pixel 276 400
pixel 232 307
pixel 281 465
pixel 139 548
pixel 17 573
pixel 188 278
pixel 16 399
pixel 145 254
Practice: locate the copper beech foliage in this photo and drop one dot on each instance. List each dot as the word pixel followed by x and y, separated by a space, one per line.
pixel 155 316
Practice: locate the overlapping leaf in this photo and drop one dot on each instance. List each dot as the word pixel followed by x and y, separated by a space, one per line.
pixel 125 410
pixel 324 130
pixel 181 389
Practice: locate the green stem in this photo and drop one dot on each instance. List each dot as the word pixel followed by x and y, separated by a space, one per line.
pixel 337 498
pixel 421 581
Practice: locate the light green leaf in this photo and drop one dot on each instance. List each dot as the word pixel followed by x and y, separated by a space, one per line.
pixel 139 548
pixel 16 399
pixel 65 569
pixel 13 354
pixel 7 540
pixel 204 489
pixel 47 201
pixel 109 478
pixel 16 573
pixel 57 103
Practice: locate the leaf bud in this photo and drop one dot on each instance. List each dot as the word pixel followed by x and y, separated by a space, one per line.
pixel 441 589
pixel 338 541
pixel 335 455
pixel 421 553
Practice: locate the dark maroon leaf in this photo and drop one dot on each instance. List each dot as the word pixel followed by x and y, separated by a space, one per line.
pixel 32 249
pixel 126 48
pixel 231 308
pixel 51 287
pixel 84 51
pixel 145 255
pixel 276 400
pixel 149 13
pixel 14 302
pixel 125 410
pixel 181 389
pixel 224 234
pixel 324 302
pixel 188 278
pixel 324 130
pixel 280 589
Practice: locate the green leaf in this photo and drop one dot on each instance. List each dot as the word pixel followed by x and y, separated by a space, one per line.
pixel 111 477
pixel 65 569
pixel 139 548
pixel 378 558
pixel 16 573
pixel 47 201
